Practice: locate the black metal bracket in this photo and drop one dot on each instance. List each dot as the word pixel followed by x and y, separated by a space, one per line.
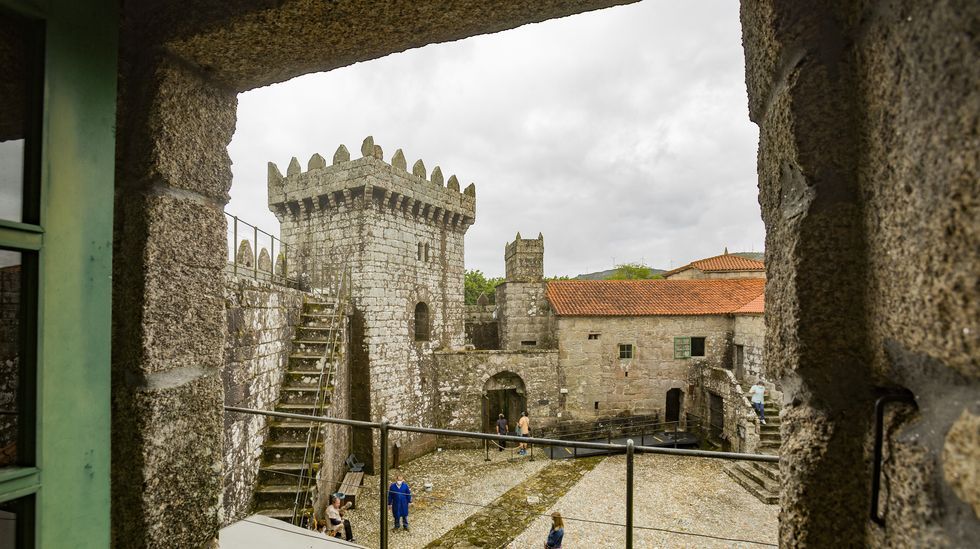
pixel 905 396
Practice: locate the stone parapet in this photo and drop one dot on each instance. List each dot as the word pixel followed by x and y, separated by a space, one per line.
pixel 369 181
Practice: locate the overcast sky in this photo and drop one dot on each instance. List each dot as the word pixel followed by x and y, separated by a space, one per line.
pixel 622 135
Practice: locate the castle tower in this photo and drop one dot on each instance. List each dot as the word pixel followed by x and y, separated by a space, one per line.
pixel 524 259
pixel 524 315
pixel 401 233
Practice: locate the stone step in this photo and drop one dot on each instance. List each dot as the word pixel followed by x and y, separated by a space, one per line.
pixel 290 430
pixel 307 408
pixel 767 483
pixel 273 451
pixel 286 473
pixel 304 378
pixel 280 496
pixel 751 485
pixel 294 396
pixel 770 470
pixel 284 513
pixel 770 436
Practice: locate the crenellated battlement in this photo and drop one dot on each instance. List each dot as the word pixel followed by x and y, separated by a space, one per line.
pixel 369 182
pixel 524 259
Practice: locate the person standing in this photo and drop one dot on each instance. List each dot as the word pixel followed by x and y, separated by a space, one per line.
pixel 501 430
pixel 399 498
pixel 556 533
pixel 524 426
pixel 758 392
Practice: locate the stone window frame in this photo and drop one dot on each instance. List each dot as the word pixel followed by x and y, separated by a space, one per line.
pixel 418 335
pixel 627 349
pixel 594 335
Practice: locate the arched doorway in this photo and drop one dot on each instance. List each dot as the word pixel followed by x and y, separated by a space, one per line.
pixel 504 393
pixel 673 409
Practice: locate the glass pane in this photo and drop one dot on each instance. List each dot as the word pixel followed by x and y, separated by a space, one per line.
pixel 10 351
pixel 16 523
pixel 20 92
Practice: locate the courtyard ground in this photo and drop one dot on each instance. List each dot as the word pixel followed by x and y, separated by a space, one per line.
pixel 475 503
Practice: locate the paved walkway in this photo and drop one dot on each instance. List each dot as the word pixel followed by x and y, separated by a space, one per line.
pixel 496 525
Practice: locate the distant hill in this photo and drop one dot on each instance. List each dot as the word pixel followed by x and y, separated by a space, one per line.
pixel 758 256
pixel 603 275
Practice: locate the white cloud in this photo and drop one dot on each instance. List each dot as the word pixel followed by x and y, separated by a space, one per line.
pixel 622 133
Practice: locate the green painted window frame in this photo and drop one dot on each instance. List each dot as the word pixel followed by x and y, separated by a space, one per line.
pixel 71 236
pixel 627 351
pixel 682 347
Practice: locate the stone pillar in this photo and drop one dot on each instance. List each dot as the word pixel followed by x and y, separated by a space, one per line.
pixel 801 84
pixel 172 180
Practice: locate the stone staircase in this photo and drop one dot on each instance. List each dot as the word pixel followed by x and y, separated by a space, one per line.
pixel 291 453
pixel 761 479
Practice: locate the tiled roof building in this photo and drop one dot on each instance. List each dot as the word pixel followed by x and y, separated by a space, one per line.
pixel 725 265
pixel 655 297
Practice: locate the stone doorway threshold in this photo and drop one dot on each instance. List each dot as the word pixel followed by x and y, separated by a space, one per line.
pixel 261 532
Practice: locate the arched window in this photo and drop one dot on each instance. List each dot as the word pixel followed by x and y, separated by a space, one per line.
pixel 421 322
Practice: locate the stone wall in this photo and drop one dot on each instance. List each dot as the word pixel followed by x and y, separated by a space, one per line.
pixel 10 300
pixel 750 333
pixel 525 316
pixel 463 376
pixel 697 274
pixel 261 322
pixel 481 327
pixel 595 374
pixel 740 430
pixel 867 114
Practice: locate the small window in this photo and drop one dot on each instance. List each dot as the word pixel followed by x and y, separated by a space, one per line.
pixel 593 336
pixel 421 322
pixel 625 350
pixel 597 405
pixel 426 252
pixel 682 347
pixel 529 343
pixel 697 346
pixel 419 255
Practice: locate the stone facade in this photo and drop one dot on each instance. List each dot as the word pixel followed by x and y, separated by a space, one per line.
pixel 261 325
pixel 739 430
pixel 481 327
pixel 401 234
pixel 601 384
pixel 464 377
pixel 694 273
pixel 749 333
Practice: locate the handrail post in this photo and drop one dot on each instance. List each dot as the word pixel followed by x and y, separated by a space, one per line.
pixel 255 258
pixel 629 494
pixel 234 244
pixel 383 518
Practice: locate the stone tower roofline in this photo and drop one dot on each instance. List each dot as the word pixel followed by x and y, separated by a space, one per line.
pixel 524 259
pixel 369 181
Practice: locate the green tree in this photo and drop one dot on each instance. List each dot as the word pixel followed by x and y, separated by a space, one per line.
pixel 475 283
pixel 633 271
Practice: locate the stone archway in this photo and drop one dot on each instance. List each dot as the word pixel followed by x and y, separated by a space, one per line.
pixel 503 393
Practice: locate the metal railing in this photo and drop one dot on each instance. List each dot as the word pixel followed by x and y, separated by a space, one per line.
pixel 630 449
pixel 250 257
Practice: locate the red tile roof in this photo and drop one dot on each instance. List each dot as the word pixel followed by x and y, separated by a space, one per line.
pixel 756 306
pixel 722 263
pixel 653 297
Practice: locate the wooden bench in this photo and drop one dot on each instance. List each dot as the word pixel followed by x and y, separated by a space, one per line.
pixel 351 486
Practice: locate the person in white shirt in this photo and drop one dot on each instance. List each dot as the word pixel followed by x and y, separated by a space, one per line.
pixel 337 520
pixel 758 392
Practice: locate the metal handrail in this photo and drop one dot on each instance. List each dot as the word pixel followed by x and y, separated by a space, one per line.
pixel 254 271
pixel 630 449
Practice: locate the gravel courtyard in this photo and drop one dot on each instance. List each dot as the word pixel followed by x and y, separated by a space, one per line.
pixel 683 494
